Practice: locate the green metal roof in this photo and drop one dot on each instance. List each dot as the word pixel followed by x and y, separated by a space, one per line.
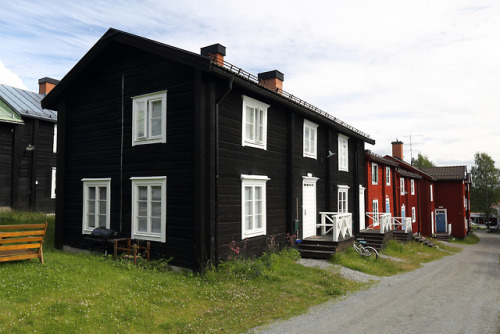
pixel 8 115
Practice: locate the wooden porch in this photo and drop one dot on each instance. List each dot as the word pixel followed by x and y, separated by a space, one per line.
pixel 374 238
pixel 322 246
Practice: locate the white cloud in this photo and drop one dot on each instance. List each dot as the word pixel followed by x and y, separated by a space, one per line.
pixel 7 77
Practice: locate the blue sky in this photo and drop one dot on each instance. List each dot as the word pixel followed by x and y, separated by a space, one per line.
pixel 429 69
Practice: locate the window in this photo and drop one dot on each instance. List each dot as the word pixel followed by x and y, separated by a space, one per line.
pixel 388 176
pixel 253 205
pixel 374 173
pixel 254 124
pixel 432 196
pixel 343 206
pixel 54 142
pixel 387 205
pixel 402 185
pixel 413 215
pixel 310 139
pixel 53 183
pixel 343 153
pixel 149 118
pixel 149 208
pixel 412 186
pixel 376 217
pixel 403 211
pixel 96 204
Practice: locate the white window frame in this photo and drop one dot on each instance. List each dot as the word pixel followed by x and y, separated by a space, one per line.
pixel 153 181
pixel 432 195
pixel 253 181
pixel 310 140
pixel 412 186
pixel 374 173
pixel 148 99
pixel 375 210
pixel 95 183
pixel 387 176
pixel 53 183
pixel 402 185
pixel 54 143
pixel 343 149
pixel 342 199
pixel 259 128
pixel 413 214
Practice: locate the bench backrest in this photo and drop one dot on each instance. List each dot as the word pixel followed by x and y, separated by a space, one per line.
pixel 24 236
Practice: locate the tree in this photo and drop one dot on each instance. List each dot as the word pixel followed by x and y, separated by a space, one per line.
pixel 422 161
pixel 485 185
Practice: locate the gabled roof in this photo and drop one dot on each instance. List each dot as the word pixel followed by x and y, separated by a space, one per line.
pixel 406 173
pixel 403 165
pixel 380 159
pixel 8 115
pixel 447 172
pixel 196 61
pixel 25 103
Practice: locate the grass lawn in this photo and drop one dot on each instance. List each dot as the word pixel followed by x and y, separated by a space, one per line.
pixel 412 254
pixel 73 293
pixel 471 239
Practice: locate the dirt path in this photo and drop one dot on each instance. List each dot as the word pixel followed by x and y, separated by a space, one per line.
pixel 458 294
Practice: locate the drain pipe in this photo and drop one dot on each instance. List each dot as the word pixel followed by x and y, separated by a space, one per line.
pixel 216 210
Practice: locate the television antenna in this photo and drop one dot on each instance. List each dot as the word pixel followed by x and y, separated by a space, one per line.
pixel 411 147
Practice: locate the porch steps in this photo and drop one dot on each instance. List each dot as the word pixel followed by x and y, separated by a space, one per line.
pixel 314 249
pixel 442 236
pixel 424 241
pixel 402 236
pixel 374 238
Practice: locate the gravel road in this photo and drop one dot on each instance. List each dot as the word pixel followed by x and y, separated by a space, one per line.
pixel 457 294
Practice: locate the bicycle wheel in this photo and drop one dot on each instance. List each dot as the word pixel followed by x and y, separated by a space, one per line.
pixel 370 251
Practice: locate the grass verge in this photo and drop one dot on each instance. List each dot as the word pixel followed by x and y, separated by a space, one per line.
pixel 471 239
pixel 73 293
pixel 412 254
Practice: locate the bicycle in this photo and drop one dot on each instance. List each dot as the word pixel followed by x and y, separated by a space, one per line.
pixel 366 251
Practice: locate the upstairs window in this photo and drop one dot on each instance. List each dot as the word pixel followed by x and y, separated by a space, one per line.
pixel 149 118
pixel 54 141
pixel 96 204
pixel 253 204
pixel 310 139
pixel 432 195
pixel 413 215
pixel 374 173
pixel 254 124
pixel 402 186
pixel 412 186
pixel 388 176
pixel 343 153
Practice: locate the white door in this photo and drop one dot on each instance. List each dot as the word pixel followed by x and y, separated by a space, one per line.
pixel 362 217
pixel 308 206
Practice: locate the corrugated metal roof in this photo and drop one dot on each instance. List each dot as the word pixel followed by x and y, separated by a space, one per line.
pixel 447 172
pixel 25 103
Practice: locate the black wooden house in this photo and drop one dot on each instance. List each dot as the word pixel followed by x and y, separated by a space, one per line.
pixel 193 153
pixel 27 149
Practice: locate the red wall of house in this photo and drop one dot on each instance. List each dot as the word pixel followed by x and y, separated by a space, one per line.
pixel 449 195
pixel 379 191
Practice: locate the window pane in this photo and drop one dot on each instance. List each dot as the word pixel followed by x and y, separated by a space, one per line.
pixel 258 207
pixel 91 193
pixel 91 206
pixel 156 118
pixel 102 220
pixel 258 221
pixel 156 209
pixel 250 126
pixel 142 224
pixel 143 193
pixel 155 225
pixel 258 193
pixel 306 141
pixel 140 120
pixel 102 193
pixel 91 219
pixel 143 208
pixel 102 207
pixel 248 223
pixel 312 145
pixel 156 193
pixel 260 127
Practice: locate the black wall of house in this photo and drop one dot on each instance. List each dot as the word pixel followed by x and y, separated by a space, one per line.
pixel 93 122
pixel 6 140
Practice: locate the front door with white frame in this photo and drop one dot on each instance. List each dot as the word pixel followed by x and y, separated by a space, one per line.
pixel 309 206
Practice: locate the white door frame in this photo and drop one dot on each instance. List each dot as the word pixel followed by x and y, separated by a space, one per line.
pixel 362 217
pixel 309 218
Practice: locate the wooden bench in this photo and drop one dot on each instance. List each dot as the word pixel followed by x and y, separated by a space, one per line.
pixel 20 242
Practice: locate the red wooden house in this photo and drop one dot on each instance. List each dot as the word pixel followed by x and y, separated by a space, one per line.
pixel 452 198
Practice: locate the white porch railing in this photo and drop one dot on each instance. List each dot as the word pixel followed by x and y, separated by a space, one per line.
pixel 339 223
pixel 403 222
pixel 383 220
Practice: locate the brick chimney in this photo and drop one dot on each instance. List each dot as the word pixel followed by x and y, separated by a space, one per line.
pixel 273 79
pixel 45 85
pixel 216 52
pixel 397 149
